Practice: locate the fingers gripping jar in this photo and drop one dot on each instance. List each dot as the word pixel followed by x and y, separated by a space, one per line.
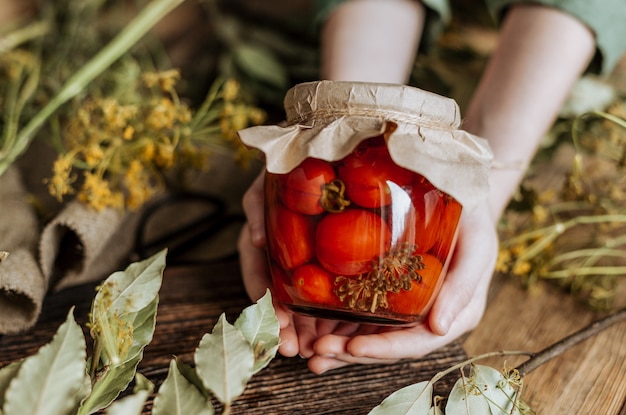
pixel 364 188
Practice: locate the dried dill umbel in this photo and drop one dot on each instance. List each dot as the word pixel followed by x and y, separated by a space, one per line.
pixel 575 236
pixel 116 151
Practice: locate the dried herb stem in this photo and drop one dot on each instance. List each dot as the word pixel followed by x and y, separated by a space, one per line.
pixel 24 34
pixel 536 359
pixel 483 356
pixel 589 252
pixel 549 233
pixel 585 271
pixel 558 348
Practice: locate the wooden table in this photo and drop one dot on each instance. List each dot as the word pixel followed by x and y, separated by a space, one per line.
pixel 191 300
pixel 588 379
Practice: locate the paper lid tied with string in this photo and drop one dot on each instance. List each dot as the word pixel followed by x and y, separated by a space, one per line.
pixel 328 119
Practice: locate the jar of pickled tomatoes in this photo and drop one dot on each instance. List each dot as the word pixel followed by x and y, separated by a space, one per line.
pixel 364 189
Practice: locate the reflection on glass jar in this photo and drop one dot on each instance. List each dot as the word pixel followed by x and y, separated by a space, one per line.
pixel 358 239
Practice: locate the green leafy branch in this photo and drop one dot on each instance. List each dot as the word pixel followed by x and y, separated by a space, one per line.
pixel 60 380
pixel 485 390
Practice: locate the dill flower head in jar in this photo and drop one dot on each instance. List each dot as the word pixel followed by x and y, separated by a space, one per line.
pixel 364 188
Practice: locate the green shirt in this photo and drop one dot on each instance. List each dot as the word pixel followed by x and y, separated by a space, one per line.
pixel 606 18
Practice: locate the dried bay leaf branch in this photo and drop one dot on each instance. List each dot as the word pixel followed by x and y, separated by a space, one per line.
pixel 119 301
pixel 485 391
pixel 133 404
pixel 48 381
pixel 122 325
pixel 413 399
pixel 178 396
pixel 261 329
pixel 224 361
pixel 109 385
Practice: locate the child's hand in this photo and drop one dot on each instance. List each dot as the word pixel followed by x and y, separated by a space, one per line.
pixel 458 309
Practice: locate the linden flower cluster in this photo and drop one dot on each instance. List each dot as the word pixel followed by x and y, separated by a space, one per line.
pixel 576 236
pixel 116 153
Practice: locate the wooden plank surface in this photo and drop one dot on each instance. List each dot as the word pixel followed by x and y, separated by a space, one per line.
pixel 588 379
pixel 191 301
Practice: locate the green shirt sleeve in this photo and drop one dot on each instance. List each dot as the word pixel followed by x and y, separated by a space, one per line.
pixel 606 18
pixel 437 17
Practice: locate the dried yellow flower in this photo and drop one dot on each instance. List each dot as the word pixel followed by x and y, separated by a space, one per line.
pixel 147 151
pixel 230 90
pixel 521 268
pixel 61 182
pixel 96 193
pixel 162 115
pixel 138 186
pixel 93 154
pixel 128 133
pixel 166 80
pixel 164 155
pixel 502 263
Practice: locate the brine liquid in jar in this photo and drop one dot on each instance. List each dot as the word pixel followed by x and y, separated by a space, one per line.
pixel 358 239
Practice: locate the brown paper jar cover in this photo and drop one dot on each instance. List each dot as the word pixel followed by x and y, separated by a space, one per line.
pixel 328 119
pixel 350 235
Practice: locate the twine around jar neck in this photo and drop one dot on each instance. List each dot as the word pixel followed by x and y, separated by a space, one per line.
pixel 329 100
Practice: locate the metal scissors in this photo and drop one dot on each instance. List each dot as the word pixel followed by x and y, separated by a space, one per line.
pixel 196 228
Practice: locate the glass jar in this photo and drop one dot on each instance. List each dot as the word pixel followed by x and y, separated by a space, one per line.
pixel 356 228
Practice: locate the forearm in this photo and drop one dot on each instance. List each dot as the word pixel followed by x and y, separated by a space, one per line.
pixel 542 52
pixel 372 40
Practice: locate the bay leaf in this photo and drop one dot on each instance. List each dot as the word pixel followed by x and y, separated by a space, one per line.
pixel 109 385
pixel 484 392
pixel 260 327
pixel 7 373
pixel 133 404
pixel 416 399
pixel 122 318
pixel 258 62
pixel 142 383
pixel 129 405
pixel 144 323
pixel 435 410
pixel 192 377
pixel 48 381
pixel 82 393
pixel 128 291
pixel 224 361
pixel 178 396
pixel 118 376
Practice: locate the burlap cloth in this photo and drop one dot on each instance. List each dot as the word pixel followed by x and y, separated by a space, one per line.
pixel 76 245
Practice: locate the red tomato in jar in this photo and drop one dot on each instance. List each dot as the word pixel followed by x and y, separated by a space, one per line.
pixel 346 243
pixel 301 189
pixel 421 217
pixel 314 284
pixel 290 237
pixel 366 173
pixel 420 297
pixel 280 282
pixel 451 214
